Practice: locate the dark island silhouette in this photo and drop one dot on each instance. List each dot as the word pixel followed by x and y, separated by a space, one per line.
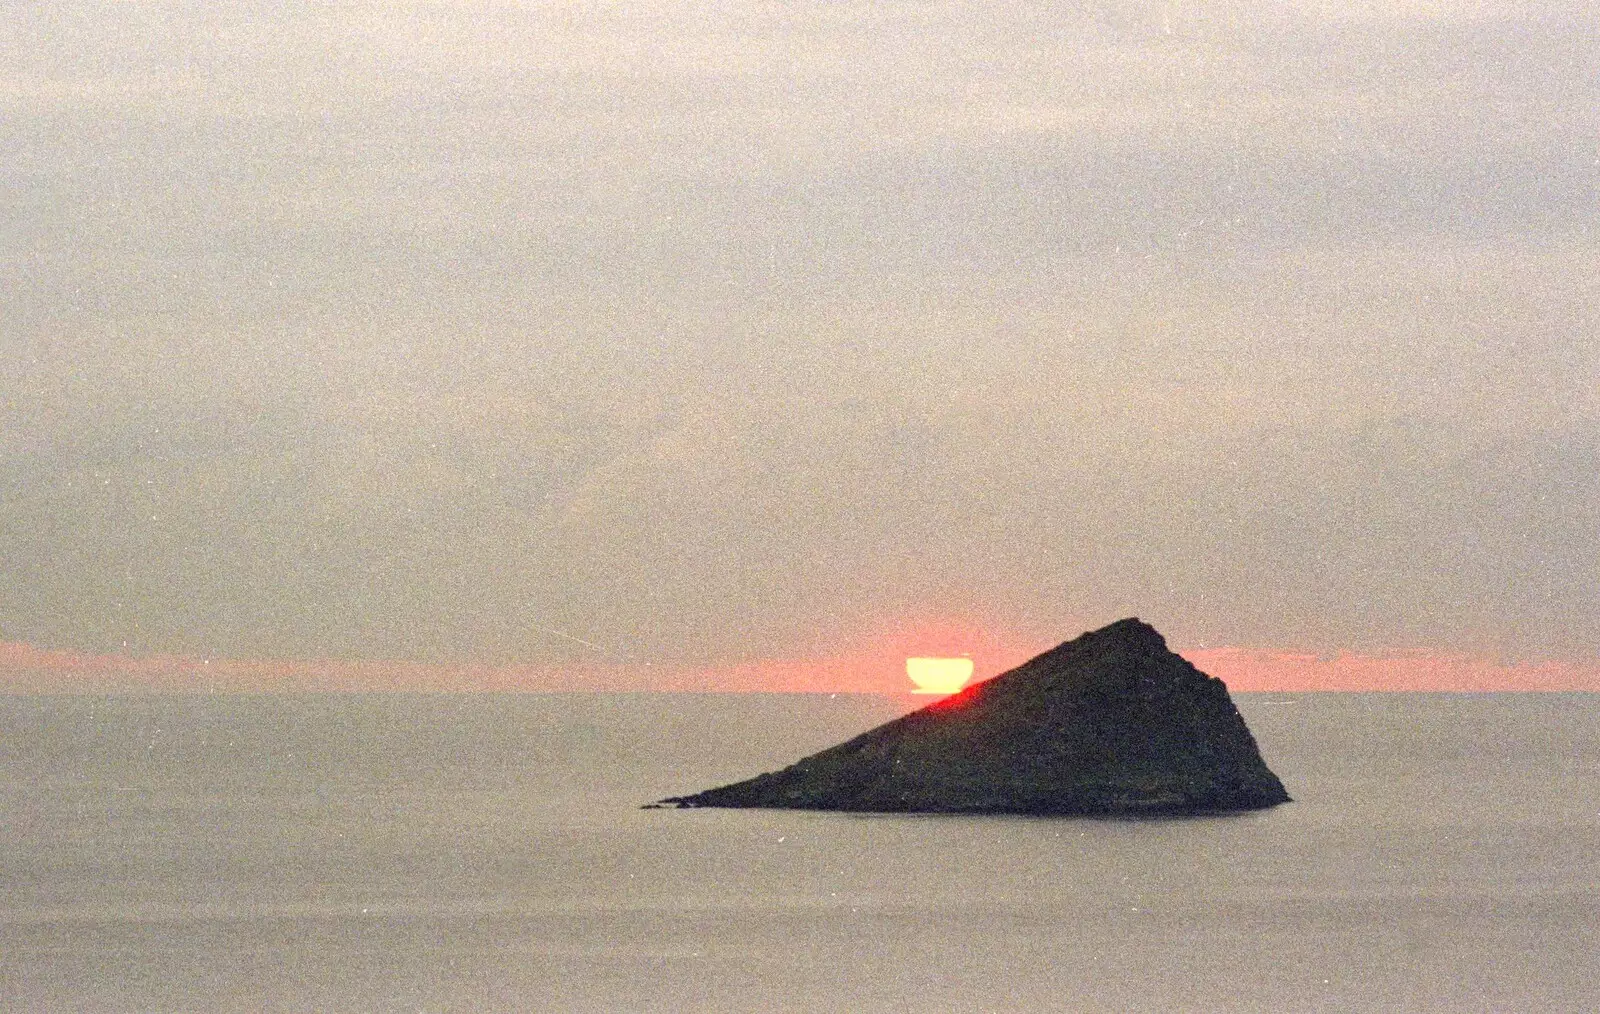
pixel 1111 723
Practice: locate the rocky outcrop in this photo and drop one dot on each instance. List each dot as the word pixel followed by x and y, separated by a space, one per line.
pixel 1109 723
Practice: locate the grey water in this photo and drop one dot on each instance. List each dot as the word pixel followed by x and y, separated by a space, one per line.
pixel 489 853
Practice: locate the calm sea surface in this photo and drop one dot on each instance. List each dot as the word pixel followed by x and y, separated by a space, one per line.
pixel 488 853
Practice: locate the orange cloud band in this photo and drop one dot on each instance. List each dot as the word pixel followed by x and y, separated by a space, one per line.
pixel 26 669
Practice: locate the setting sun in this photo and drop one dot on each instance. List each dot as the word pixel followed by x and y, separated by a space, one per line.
pixel 939 675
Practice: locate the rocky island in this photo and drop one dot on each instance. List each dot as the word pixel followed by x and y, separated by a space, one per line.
pixel 1111 723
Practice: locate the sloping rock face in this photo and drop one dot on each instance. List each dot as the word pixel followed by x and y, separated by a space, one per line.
pixel 1109 723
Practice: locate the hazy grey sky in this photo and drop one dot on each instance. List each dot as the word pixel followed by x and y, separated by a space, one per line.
pixel 713 331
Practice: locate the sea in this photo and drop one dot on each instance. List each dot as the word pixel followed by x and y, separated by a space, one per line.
pixel 483 852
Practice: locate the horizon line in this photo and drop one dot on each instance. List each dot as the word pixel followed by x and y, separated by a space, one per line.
pixel 27 669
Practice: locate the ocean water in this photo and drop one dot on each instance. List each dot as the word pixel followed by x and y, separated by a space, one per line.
pixel 489 853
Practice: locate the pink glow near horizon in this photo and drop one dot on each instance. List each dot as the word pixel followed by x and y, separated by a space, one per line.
pixel 27 669
pixel 1248 669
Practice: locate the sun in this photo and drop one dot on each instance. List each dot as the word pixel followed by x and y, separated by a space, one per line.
pixel 939 675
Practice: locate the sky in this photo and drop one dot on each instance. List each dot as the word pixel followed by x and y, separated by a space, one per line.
pixel 681 336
